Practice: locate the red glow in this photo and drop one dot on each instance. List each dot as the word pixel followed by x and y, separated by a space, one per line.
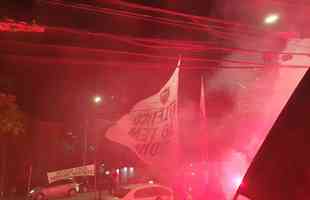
pixel 12 26
pixel 237 181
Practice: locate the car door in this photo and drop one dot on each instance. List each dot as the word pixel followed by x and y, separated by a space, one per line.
pixel 51 190
pixel 63 189
pixel 58 189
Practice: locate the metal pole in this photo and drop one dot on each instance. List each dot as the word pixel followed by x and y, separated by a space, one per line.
pixel 96 165
pixel 3 174
pixel 29 178
pixel 85 134
pixel 96 174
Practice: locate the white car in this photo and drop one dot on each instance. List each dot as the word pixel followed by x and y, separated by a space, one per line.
pixel 143 192
pixel 60 188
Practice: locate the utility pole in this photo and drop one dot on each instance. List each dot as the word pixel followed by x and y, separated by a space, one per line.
pixel 96 172
pixel 96 100
pixel 29 178
pixel 85 145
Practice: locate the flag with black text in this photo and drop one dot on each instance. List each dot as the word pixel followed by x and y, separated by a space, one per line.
pixel 150 128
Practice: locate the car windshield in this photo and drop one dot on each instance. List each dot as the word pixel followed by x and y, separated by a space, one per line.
pixel 61 182
pixel 173 94
pixel 264 178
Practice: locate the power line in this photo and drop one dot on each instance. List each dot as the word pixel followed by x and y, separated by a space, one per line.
pixel 224 35
pixel 246 64
pixel 220 22
pixel 165 11
pixel 145 65
pixel 137 42
pixel 178 23
pixel 201 46
pixel 290 4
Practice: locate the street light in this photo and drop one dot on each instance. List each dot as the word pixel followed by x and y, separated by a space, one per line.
pixel 271 19
pixel 97 99
pixel 125 169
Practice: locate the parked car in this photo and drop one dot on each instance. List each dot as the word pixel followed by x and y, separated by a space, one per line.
pixel 60 188
pixel 86 183
pixel 143 192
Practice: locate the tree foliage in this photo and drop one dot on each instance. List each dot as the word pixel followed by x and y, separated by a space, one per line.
pixel 12 120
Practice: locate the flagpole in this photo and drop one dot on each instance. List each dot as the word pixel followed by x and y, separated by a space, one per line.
pixel 177 111
pixel 177 103
pixel 205 152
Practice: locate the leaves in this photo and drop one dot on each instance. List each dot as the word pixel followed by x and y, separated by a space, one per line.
pixel 12 120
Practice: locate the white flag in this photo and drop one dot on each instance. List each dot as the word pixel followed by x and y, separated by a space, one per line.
pixel 150 128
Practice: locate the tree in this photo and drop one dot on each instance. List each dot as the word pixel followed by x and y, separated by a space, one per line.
pixel 12 123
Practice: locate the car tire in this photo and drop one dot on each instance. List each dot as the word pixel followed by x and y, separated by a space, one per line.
pixel 72 192
pixel 40 196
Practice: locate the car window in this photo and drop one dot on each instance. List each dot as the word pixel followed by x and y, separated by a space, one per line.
pixel 145 192
pixel 53 184
pixel 67 181
pixel 61 182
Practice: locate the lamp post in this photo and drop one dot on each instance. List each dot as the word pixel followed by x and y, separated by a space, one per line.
pixel 96 101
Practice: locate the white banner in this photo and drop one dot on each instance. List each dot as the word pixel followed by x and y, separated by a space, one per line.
pixel 149 129
pixel 88 170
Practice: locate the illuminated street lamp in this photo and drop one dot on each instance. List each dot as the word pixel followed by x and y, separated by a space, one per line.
pixel 107 173
pixel 271 19
pixel 97 99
